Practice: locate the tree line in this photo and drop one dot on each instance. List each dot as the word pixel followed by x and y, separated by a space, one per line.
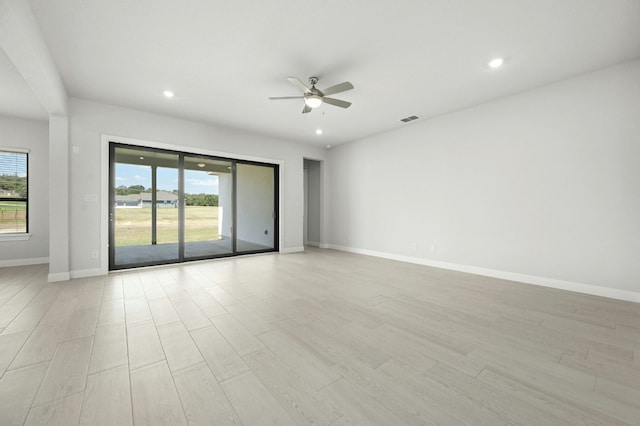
pixel 190 199
pixel 15 184
pixel 201 200
pixel 133 189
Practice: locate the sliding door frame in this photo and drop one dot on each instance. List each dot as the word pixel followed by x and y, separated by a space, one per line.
pixel 276 203
pixel 113 143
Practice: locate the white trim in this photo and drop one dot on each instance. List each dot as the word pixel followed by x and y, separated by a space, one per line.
pixel 291 249
pixel 104 205
pixel 12 149
pixel 24 262
pixel 313 243
pixel 612 293
pixel 82 273
pixel 14 237
pixel 324 246
pixel 59 276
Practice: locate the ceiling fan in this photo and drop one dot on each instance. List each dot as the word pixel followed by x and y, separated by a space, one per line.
pixel 313 97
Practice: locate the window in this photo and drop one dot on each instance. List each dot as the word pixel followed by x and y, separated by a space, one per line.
pixel 14 192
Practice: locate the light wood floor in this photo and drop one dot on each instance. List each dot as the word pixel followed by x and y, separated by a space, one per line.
pixel 320 337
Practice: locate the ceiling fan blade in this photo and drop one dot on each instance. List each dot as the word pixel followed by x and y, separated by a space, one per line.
pixel 274 98
pixel 338 88
pixel 336 102
pixel 300 85
pixel 306 109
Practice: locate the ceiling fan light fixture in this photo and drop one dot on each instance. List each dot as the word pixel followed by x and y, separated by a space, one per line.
pixel 313 101
pixel 496 63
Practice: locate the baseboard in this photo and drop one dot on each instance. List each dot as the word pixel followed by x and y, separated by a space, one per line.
pixel 83 273
pixel 313 243
pixel 324 245
pixel 24 262
pixel 594 290
pixel 292 249
pixel 59 276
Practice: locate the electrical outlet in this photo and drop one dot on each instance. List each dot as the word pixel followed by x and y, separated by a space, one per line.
pixel 414 246
pixel 94 254
pixel 434 248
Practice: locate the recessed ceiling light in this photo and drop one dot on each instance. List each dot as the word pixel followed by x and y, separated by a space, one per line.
pixel 496 63
pixel 168 94
pixel 318 131
pixel 328 146
pixel 200 164
pixel 142 158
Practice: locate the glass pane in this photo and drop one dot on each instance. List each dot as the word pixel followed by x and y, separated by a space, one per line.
pixel 145 232
pixel 208 207
pixel 13 192
pixel 255 204
pixel 13 216
pixel 13 174
pixel 167 206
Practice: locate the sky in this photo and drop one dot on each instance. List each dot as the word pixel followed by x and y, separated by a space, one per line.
pixel 13 163
pixel 195 182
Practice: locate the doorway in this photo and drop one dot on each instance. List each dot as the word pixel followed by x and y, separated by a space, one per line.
pixel 312 205
pixel 168 207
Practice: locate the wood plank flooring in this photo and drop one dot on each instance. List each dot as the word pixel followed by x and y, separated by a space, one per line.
pixel 320 337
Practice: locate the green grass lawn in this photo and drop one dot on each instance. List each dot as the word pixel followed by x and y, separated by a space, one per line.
pixel 13 216
pixel 133 226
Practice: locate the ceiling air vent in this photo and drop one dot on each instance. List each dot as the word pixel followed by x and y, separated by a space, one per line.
pixel 408 119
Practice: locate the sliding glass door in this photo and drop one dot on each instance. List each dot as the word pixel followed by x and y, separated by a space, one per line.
pixel 144 214
pixel 208 207
pixel 168 207
pixel 256 207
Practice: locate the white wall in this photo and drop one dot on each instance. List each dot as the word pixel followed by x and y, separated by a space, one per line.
pixel 544 184
pixel 89 120
pixel 34 136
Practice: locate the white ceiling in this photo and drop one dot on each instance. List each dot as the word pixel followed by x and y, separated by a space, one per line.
pixel 223 59
pixel 17 99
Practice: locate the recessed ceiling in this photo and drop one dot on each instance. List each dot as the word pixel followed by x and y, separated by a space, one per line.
pixel 223 59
